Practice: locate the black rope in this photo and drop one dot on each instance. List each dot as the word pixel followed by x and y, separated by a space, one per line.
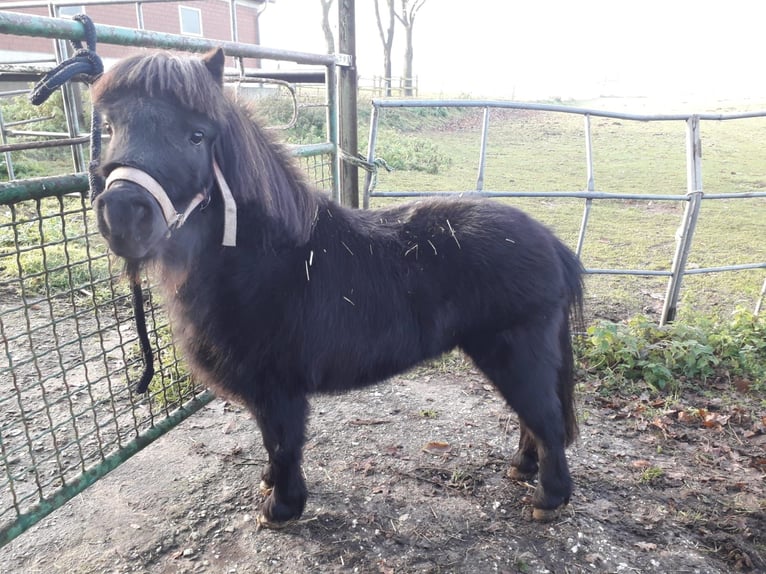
pixel 143 336
pixel 87 65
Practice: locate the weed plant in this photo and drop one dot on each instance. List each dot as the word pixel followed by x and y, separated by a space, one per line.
pixel 665 358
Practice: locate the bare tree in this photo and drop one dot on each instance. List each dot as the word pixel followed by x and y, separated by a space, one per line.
pixel 387 38
pixel 407 15
pixel 326 28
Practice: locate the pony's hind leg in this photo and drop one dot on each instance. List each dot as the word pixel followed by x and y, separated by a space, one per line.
pixel 524 464
pixel 282 420
pixel 524 365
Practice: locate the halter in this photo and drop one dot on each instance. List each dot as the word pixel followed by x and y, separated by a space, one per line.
pixel 174 218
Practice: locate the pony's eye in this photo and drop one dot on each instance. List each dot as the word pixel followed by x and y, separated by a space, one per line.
pixel 106 128
pixel 197 137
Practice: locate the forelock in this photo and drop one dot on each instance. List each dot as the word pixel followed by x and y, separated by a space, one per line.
pixel 164 75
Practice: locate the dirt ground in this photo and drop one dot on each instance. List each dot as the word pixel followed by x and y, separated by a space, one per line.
pixel 409 476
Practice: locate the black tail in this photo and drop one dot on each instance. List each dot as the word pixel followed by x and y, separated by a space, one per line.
pixel 573 279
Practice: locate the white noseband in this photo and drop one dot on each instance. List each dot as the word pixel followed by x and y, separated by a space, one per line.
pixel 176 219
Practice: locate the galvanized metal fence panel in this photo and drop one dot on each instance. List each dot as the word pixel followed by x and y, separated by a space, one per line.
pixel 692 199
pixel 69 352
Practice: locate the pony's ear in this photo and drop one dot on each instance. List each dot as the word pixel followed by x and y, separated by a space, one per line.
pixel 214 62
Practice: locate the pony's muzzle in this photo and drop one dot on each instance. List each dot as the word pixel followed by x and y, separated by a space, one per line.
pixel 130 220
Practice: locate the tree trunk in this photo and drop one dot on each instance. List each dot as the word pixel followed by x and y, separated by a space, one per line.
pixel 407 18
pixel 387 39
pixel 326 28
pixel 408 64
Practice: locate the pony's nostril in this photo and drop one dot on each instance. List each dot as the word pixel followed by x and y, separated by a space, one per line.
pixel 102 217
pixel 142 212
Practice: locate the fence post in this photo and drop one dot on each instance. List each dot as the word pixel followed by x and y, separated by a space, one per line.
pixel 758 303
pixel 483 151
pixel 347 94
pixel 685 232
pixel 371 142
pixel 591 185
pixel 4 140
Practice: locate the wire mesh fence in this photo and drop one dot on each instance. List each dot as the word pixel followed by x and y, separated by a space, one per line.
pixel 70 353
pixel 70 356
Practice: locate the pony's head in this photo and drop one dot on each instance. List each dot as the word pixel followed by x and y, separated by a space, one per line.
pixel 159 163
pixel 176 139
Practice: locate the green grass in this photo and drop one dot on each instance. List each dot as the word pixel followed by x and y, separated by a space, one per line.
pixel 46 248
pixel 665 358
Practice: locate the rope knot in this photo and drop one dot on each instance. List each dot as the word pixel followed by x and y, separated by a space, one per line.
pixel 87 65
pixel 372 167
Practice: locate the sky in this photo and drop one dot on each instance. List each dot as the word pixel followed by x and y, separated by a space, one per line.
pixel 665 51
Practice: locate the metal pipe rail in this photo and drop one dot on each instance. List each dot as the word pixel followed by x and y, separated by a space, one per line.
pixel 506 104
pixel 692 198
pixel 62 3
pixel 44 27
pixel 61 141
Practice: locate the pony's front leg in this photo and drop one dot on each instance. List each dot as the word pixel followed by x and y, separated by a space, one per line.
pixel 282 420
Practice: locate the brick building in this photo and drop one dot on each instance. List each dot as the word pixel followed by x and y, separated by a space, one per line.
pixel 208 18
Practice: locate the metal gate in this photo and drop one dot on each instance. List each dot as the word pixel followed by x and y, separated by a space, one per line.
pixel 692 198
pixel 68 348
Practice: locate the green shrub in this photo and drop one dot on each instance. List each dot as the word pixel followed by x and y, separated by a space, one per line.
pixel 409 153
pixel 418 119
pixel 40 162
pixel 20 108
pixel 277 110
pixel 665 357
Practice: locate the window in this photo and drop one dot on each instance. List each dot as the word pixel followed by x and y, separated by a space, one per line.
pixel 69 11
pixel 191 20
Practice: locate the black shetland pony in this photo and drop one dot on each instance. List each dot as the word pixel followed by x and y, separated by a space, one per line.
pixel 314 297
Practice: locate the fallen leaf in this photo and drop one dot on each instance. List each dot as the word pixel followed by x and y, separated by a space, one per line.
pixel 437 447
pixel 364 422
pixel 714 420
pixel 646 545
pixel 657 422
pixel 684 417
pixel 393 450
pixel 742 385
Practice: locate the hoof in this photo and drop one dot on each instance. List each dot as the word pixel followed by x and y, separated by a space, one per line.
pixel 265 488
pixel 263 522
pixel 515 473
pixel 546 515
